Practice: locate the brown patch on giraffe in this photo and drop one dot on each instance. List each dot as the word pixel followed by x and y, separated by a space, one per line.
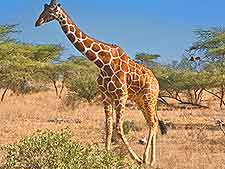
pixel 106 47
pixel 100 80
pixel 71 37
pixel 114 52
pixel 135 88
pixel 121 76
pixel 130 91
pixel 65 28
pixel 79 46
pixel 102 46
pixel 91 55
pixel 124 57
pixel 72 29
pixel 88 42
pixel 119 92
pixel 63 22
pixel 108 95
pixel 138 71
pixel 132 68
pixel 105 57
pixel 116 64
pixel 69 21
pixel 136 77
pixel 112 87
pixel 106 81
pixel 116 81
pixel 135 83
pixel 99 63
pixel 108 70
pixel 143 70
pixel 120 51
pixel 132 63
pixel 102 88
pixel 83 35
pixel 63 15
pixel 77 33
pixel 129 79
pixel 103 73
pixel 139 66
pixel 96 48
pixel 142 80
pixel 124 67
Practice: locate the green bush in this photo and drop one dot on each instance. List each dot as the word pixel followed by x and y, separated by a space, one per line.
pixel 127 127
pixel 56 150
pixel 83 86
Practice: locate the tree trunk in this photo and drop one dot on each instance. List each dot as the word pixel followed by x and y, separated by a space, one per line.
pixel 4 93
pixel 222 96
pixel 219 97
pixel 56 89
pixel 61 90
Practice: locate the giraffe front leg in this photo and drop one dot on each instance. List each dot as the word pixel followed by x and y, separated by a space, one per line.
pixel 109 125
pixel 120 110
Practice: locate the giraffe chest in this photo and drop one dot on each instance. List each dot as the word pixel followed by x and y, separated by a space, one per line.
pixel 111 81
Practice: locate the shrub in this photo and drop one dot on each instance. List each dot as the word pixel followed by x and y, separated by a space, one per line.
pixel 49 150
pixel 83 86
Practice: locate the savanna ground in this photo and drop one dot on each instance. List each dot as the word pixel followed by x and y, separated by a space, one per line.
pixel 182 148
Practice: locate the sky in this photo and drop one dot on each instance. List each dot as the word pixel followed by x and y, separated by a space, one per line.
pixel 162 27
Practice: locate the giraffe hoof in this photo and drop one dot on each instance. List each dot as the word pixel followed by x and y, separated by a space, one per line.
pixel 147 163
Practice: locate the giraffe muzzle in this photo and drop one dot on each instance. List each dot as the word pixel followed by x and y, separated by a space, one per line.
pixel 39 22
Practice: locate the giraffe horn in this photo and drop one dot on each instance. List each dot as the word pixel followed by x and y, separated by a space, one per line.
pixel 53 2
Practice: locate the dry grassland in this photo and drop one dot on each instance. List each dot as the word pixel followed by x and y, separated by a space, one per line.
pixel 196 148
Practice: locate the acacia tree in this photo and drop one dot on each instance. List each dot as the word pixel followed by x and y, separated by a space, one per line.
pixel 5 31
pixel 19 61
pixel 211 45
pixel 182 82
pixel 147 59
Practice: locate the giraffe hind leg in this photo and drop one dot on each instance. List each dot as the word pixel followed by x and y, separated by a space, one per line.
pixel 148 107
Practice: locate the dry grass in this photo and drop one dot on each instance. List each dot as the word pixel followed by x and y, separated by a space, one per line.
pixel 180 149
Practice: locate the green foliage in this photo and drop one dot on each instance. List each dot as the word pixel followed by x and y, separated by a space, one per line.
pixel 211 42
pixel 146 59
pixel 19 62
pixel 5 30
pixel 56 150
pixel 177 83
pixel 129 126
pixel 211 45
pixel 83 85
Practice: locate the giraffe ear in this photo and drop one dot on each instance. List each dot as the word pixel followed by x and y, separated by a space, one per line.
pixel 59 5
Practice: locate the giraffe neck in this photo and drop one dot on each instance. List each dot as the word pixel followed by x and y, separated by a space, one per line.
pixel 88 46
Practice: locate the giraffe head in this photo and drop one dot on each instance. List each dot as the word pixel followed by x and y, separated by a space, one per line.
pixel 50 13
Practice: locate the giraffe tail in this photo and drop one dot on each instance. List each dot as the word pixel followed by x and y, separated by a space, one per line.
pixel 163 128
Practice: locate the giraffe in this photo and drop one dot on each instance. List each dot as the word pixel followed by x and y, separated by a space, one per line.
pixel 120 79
